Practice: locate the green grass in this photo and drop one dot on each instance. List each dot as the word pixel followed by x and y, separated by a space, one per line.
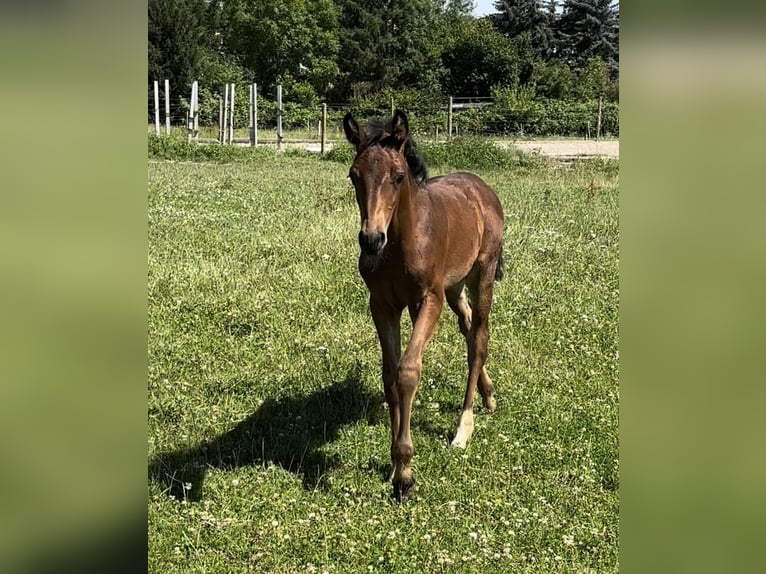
pixel 268 436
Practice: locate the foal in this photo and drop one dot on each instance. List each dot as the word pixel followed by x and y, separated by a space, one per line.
pixel 422 240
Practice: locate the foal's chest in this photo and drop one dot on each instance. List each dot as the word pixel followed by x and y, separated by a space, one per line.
pixel 392 284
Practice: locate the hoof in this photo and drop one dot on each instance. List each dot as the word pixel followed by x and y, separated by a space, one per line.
pixel 459 442
pixel 403 489
pixel 490 404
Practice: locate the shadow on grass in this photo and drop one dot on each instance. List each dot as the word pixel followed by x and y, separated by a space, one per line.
pixel 289 432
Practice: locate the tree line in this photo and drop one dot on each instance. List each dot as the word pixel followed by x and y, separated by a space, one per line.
pixel 533 51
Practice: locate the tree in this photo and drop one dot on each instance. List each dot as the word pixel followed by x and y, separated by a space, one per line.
pixel 553 80
pixel 389 43
pixel 179 42
pixel 593 80
pixel 414 48
pixel 283 41
pixel 590 29
pixel 456 7
pixel 531 17
pixel 477 59
pixel 362 37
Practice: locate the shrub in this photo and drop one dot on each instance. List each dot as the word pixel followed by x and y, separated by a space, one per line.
pixel 342 153
pixel 176 148
pixel 466 152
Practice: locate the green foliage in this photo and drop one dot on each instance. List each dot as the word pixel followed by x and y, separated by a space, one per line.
pixel 466 152
pixel 182 48
pixel 412 52
pixel 593 80
pixel 177 39
pixel 283 41
pixel 590 29
pixel 552 80
pixel 343 153
pixel 527 17
pixel 416 52
pixel 387 44
pixel 476 58
pixel 176 147
pixel 422 106
pixel 517 114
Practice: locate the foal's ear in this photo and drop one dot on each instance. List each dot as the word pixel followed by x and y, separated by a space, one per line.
pixel 353 132
pixel 400 127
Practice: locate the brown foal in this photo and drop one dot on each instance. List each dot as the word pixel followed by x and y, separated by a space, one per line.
pixel 422 241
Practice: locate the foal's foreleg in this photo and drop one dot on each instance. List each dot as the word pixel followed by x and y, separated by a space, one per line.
pixel 478 339
pixel 387 323
pixel 407 381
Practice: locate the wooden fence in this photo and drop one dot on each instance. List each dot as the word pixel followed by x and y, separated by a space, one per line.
pixel 226 105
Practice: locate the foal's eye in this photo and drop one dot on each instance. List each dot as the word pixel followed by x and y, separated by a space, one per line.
pixel 398 178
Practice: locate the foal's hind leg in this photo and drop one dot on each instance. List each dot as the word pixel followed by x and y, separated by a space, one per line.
pixel 458 302
pixel 478 339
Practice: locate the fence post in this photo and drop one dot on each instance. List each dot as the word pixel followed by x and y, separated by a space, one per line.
pixel 251 117
pixel 225 113
pixel 156 107
pixel 449 118
pixel 255 111
pixel 598 119
pixel 220 119
pixel 190 115
pixel 324 128
pixel 195 115
pixel 231 115
pixel 167 107
pixel 279 117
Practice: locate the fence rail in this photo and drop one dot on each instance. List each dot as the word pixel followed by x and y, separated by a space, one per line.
pixel 217 114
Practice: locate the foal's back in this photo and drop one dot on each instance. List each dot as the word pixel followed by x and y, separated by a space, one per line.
pixel 465 221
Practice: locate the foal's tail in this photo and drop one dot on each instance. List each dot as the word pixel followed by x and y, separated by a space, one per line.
pixel 500 269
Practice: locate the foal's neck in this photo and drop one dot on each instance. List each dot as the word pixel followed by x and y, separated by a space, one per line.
pixel 407 212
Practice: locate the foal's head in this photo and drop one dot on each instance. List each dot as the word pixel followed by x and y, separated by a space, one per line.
pixel 386 161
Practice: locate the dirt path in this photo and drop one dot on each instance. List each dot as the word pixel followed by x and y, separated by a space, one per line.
pixel 561 149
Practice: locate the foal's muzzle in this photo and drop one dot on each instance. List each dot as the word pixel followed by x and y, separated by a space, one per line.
pixel 372 243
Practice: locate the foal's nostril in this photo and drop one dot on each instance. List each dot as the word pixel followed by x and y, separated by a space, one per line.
pixel 372 243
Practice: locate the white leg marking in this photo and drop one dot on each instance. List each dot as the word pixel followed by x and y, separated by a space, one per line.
pixel 464 430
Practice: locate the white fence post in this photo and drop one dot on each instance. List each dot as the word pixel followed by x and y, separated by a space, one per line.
pixel 323 143
pixel 279 117
pixel 225 114
pixel 220 119
pixel 255 112
pixel 156 107
pixel 167 107
pixel 598 119
pixel 251 118
pixel 231 115
pixel 195 110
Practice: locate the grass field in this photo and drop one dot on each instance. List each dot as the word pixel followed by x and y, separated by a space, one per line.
pixel 268 436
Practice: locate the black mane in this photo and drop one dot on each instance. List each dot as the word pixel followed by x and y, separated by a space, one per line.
pixel 379 132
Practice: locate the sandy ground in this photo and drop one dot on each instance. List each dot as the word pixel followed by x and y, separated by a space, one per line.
pixel 562 149
pixel 571 148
